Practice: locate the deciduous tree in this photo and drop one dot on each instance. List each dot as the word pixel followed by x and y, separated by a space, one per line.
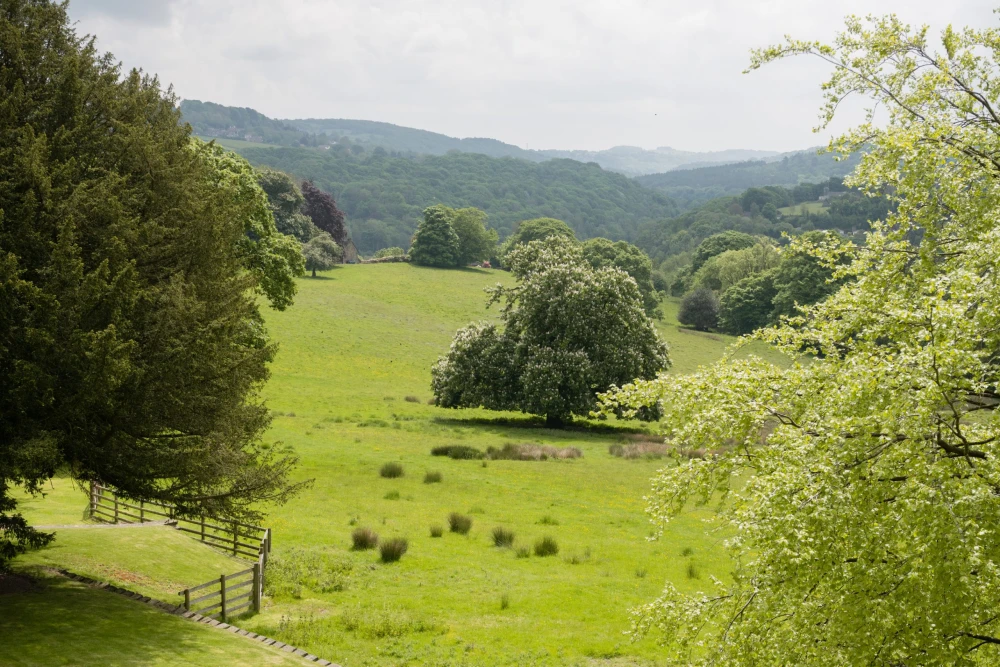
pixel 322 210
pixel 859 489
pixel 321 253
pixel 435 242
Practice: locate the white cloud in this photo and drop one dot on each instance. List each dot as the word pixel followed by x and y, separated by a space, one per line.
pixel 544 73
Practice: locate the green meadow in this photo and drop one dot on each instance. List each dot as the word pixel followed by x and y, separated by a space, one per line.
pixel 349 391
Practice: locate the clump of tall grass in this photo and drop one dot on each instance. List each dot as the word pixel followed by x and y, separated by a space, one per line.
pixel 432 478
pixel 392 495
pixel 522 552
pixel 547 520
pixel 546 546
pixel 503 537
pixel 530 452
pixel 381 623
pixel 291 571
pixel 392 550
pixel 437 531
pixel 647 450
pixel 391 470
pixel 411 399
pixel 457 452
pixel 459 523
pixel 363 539
pixel 692 571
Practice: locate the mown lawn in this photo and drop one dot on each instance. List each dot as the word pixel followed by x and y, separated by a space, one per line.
pixel 349 391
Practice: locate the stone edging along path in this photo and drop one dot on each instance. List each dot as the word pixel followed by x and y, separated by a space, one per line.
pixel 198 618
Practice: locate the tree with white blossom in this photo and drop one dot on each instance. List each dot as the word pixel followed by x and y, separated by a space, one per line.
pixel 860 489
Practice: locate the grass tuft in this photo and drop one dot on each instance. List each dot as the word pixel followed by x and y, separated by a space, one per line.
pixel 546 546
pixel 459 523
pixel 530 452
pixel 391 470
pixel 687 551
pixel 392 495
pixel 692 571
pixel 432 478
pixel 547 520
pixel 392 550
pixel 411 399
pixel 522 552
pixel 437 531
pixel 457 452
pixel 363 539
pixel 504 601
pixel 502 537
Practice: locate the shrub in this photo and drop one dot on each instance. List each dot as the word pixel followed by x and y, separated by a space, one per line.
pixel 395 251
pixel 457 452
pixel 523 552
pixel 364 538
pixel 546 546
pixel 459 523
pixel 529 452
pixel 503 537
pixel 432 478
pixel 699 309
pixel 411 399
pixel 392 550
pixel 437 531
pixel 391 470
pixel 392 495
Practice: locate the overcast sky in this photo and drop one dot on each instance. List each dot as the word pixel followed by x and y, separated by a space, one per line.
pixel 584 74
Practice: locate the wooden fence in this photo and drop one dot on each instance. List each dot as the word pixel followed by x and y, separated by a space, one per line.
pixel 240 539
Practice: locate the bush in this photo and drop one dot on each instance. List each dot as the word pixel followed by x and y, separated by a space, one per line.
pixel 432 478
pixel 457 452
pixel 411 399
pixel 392 550
pixel 503 537
pixel 459 523
pixel 391 470
pixel 529 452
pixel 395 251
pixel 546 546
pixel 699 309
pixel 437 531
pixel 364 539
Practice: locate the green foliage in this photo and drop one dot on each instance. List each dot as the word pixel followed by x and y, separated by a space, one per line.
pixel 748 305
pixel 131 258
pixel 292 572
pixel 476 242
pixel 395 251
pixel 692 187
pixel 861 484
pixel 718 244
pixel 726 269
pixel 286 202
pixel 321 253
pixel 699 309
pixel 801 279
pixel 435 242
pixel 602 253
pixel 537 229
pixel 569 332
pixel 384 196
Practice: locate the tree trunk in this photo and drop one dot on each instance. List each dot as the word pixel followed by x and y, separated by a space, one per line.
pixel 553 421
pixel 314 273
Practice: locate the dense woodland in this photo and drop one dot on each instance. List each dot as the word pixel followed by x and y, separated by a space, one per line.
pixel 384 196
pixel 691 187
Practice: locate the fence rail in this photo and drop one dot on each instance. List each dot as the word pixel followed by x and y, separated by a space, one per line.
pixel 240 539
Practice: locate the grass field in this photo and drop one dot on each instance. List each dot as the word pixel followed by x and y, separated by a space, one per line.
pixel 804 207
pixel 349 391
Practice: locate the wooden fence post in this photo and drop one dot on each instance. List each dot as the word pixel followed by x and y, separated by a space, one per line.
pixel 93 499
pixel 142 516
pixel 202 527
pixel 255 599
pixel 236 536
pixel 116 506
pixel 187 599
pixel 222 589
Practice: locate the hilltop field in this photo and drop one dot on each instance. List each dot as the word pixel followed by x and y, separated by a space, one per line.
pixel 350 392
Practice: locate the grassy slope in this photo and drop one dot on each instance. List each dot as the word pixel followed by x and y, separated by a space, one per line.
pixel 358 341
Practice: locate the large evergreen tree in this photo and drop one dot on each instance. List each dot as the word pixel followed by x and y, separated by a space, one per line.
pixel 132 349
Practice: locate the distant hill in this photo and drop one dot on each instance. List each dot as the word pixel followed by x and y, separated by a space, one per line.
pixel 215 120
pixel 691 187
pixel 384 196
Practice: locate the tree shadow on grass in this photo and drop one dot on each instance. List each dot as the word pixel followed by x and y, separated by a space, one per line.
pixel 531 422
